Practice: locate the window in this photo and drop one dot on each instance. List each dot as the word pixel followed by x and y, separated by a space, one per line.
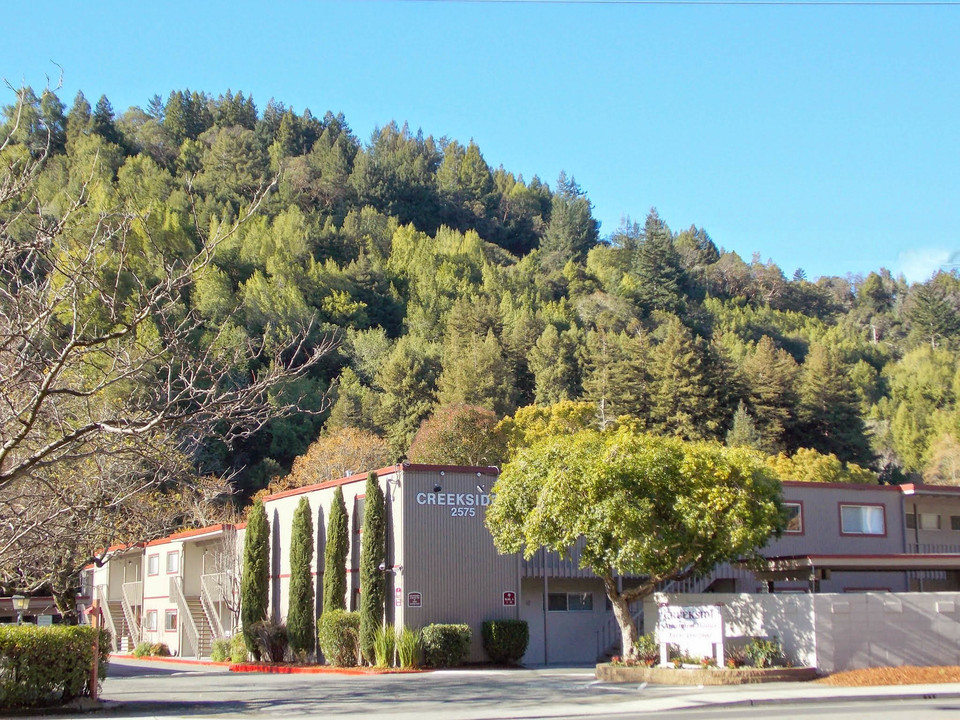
pixel 358 515
pixel 570 602
pixel 929 521
pixel 150 621
pixel 911 521
pixel 794 518
pixel 955 522
pixel 153 565
pixel 169 620
pixel 173 562
pixel 862 520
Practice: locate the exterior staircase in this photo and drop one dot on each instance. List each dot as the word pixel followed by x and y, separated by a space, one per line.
pixel 123 640
pixel 205 636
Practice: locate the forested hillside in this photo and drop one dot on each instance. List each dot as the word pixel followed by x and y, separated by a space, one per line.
pixel 447 281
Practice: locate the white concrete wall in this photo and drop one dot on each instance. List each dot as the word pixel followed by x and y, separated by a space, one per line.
pixel 840 631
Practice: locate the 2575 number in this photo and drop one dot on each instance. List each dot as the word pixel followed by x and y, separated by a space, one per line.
pixel 463 512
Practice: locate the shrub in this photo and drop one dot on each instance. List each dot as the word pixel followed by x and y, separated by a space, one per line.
pixel 272 639
pixel 238 649
pixel 408 648
pixel 384 645
pixel 445 645
pixel 141 650
pixel 338 635
pixel 648 650
pixel 505 641
pixel 736 657
pixel 764 653
pixel 47 665
pixel 220 650
pixel 149 649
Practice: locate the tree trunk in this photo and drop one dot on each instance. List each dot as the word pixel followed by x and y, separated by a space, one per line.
pixel 621 611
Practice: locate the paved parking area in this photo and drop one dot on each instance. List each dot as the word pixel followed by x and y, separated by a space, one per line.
pixel 138 688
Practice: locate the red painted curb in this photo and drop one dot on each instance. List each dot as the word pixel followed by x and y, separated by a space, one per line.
pixel 183 661
pixel 317 670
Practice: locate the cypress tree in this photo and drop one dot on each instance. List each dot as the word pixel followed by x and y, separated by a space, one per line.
pixel 254 583
pixel 335 556
pixel 300 620
pixel 373 552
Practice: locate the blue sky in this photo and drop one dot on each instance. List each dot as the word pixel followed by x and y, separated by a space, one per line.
pixel 822 138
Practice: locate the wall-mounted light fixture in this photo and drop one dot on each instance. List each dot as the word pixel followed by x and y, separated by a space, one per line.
pixel 437 488
pixel 20 605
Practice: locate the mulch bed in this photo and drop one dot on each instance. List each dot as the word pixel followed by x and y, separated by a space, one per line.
pixel 906 675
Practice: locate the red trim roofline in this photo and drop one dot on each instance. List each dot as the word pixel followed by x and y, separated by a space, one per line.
pixel 381 472
pixel 190 533
pixel 841 486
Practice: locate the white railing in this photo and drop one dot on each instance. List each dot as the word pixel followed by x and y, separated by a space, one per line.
pixel 610 636
pixel 102 595
pixel 186 617
pixel 130 597
pixel 213 589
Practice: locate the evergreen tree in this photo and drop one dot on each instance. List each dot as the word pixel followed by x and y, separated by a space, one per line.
pixel 553 361
pixel 103 121
pixel 254 584
pixel 659 274
pixel 770 374
pixel 373 553
pixel 682 401
pixel 743 433
pixel 828 413
pixel 335 556
pixel 572 230
pixel 300 608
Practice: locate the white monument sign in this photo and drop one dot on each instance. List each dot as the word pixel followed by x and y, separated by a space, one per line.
pixel 685 626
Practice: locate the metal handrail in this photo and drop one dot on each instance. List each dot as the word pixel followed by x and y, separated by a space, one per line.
pixel 128 590
pixel 101 595
pixel 186 617
pixel 212 586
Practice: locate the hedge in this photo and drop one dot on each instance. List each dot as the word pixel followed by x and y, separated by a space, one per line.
pixel 445 645
pixel 505 640
pixel 47 665
pixel 338 633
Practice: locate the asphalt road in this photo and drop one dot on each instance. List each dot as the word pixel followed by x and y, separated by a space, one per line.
pixel 171 690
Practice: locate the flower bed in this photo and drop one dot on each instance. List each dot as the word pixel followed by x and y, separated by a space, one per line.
pixel 609 672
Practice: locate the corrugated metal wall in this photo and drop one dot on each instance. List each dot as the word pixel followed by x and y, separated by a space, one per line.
pixel 450 565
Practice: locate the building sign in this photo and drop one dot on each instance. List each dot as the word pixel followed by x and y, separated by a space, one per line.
pixel 682 625
pixel 453 499
pixel 414 599
pixel 509 598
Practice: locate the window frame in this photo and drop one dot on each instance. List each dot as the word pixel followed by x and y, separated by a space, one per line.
pixel 150 621
pixel 155 570
pixel 566 601
pixel 850 533
pixel 170 620
pixel 799 505
pixel 173 554
pixel 920 523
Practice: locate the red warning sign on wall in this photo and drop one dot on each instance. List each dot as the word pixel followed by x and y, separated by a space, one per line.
pixel 414 599
pixel 509 598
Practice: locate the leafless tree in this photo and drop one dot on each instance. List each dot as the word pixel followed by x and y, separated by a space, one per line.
pixel 102 377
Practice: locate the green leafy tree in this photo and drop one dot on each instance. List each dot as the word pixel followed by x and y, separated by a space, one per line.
pixel 373 554
pixel 335 556
pixel 254 584
pixel 808 465
pixel 300 610
pixel 459 435
pixel 651 507
pixel 770 375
